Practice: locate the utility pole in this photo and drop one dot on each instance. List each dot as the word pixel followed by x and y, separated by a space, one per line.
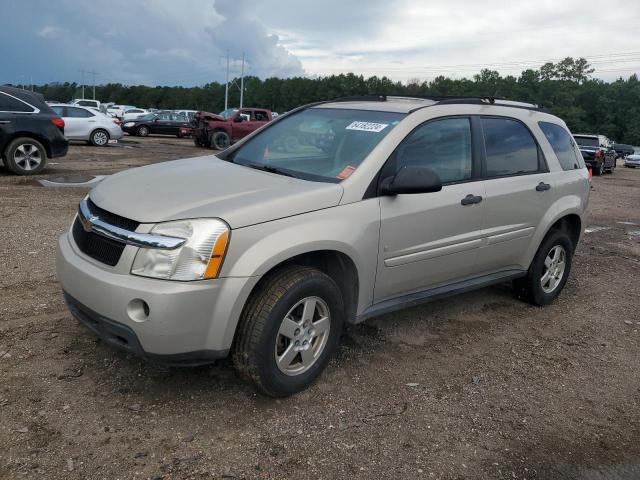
pixel 94 83
pixel 242 82
pixel 31 83
pixel 226 86
pixel 82 72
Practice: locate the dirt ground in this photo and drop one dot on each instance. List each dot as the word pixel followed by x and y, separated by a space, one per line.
pixel 472 387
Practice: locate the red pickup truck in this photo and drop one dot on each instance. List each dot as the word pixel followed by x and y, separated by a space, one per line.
pixel 221 130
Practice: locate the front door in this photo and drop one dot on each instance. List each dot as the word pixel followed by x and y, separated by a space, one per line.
pixel 431 239
pixel 78 123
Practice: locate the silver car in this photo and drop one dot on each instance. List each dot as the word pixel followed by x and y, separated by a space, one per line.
pixel 331 214
pixel 632 161
pixel 88 125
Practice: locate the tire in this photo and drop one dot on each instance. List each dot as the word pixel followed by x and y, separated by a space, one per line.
pixel 99 138
pixel 142 131
pixel 532 288
pixel 220 140
pixel 283 297
pixel 25 156
pixel 599 171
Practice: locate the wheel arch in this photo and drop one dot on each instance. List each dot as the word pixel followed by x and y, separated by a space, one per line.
pixel 43 140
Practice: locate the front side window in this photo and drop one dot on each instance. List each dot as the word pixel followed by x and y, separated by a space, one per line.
pixel 12 104
pixel 321 144
pixel 444 146
pixel 562 143
pixel 510 148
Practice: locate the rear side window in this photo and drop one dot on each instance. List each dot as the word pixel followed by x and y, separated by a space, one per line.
pixel 444 146
pixel 510 148
pixel 11 104
pixel 73 112
pixel 59 109
pixel 562 143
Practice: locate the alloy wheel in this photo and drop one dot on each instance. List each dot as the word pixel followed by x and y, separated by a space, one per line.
pixel 27 156
pixel 302 336
pixel 553 271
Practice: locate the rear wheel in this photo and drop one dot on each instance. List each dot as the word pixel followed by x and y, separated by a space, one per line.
pixel 599 170
pixel 289 330
pixel 25 156
pixel 549 270
pixel 99 138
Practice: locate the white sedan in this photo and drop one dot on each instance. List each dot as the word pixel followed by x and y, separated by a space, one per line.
pixel 133 113
pixel 632 161
pixel 86 124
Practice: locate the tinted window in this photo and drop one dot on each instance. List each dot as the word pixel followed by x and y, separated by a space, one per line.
pixel 562 143
pixel 587 141
pixel 59 109
pixel 510 147
pixel 87 103
pixel 73 112
pixel 10 104
pixel 444 146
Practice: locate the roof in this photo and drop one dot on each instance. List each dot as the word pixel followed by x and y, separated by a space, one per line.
pixel 391 104
pixel 594 135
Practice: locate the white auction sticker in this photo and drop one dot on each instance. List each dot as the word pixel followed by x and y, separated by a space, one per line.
pixel 367 126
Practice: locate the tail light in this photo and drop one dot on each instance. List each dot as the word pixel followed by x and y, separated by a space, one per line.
pixel 599 153
pixel 58 122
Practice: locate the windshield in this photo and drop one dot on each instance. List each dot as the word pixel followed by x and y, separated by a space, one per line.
pixel 318 143
pixel 587 141
pixel 228 113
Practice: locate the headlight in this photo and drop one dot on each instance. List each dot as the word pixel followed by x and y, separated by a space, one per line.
pixel 199 258
pixel 129 124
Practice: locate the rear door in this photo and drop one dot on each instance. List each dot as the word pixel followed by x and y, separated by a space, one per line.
pixel 519 191
pixel 78 123
pixel 433 238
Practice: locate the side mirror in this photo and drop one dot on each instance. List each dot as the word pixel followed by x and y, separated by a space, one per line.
pixel 411 180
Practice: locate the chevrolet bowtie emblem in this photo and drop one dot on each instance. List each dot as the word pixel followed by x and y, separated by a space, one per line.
pixel 87 223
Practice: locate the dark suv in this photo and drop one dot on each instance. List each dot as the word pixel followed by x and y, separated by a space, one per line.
pixel 622 150
pixel 30 131
pixel 598 152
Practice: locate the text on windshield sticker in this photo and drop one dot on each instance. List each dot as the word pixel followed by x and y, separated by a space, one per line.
pixel 367 126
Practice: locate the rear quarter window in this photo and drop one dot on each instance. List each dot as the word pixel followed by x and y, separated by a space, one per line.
pixel 562 144
pixel 12 104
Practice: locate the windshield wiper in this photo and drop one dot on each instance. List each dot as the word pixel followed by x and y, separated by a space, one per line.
pixel 270 169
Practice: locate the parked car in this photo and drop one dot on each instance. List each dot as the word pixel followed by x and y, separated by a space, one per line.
pixel 118 110
pixel 30 131
pixel 622 149
pixel 632 161
pixel 220 131
pixel 163 123
pixel 265 256
pixel 190 114
pixel 598 152
pixel 84 102
pixel 133 114
pixel 88 125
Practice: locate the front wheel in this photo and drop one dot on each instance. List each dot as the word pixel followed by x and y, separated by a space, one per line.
pixel 143 131
pixel 220 140
pixel 288 331
pixel 549 270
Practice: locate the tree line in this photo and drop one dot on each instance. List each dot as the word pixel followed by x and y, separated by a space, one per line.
pixel 566 89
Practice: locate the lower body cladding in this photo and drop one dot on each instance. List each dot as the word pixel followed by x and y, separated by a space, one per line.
pixel 179 323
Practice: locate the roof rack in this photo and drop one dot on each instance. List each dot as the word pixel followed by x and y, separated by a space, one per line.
pixel 444 100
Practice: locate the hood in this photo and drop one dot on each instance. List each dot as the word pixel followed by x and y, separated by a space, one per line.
pixel 209 116
pixel 209 187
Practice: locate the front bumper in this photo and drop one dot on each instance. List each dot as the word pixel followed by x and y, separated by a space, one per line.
pixel 188 319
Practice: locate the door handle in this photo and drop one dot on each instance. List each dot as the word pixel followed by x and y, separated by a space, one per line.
pixel 471 199
pixel 3 122
pixel 542 187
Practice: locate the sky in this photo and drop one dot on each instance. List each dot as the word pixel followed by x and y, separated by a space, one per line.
pixel 186 42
